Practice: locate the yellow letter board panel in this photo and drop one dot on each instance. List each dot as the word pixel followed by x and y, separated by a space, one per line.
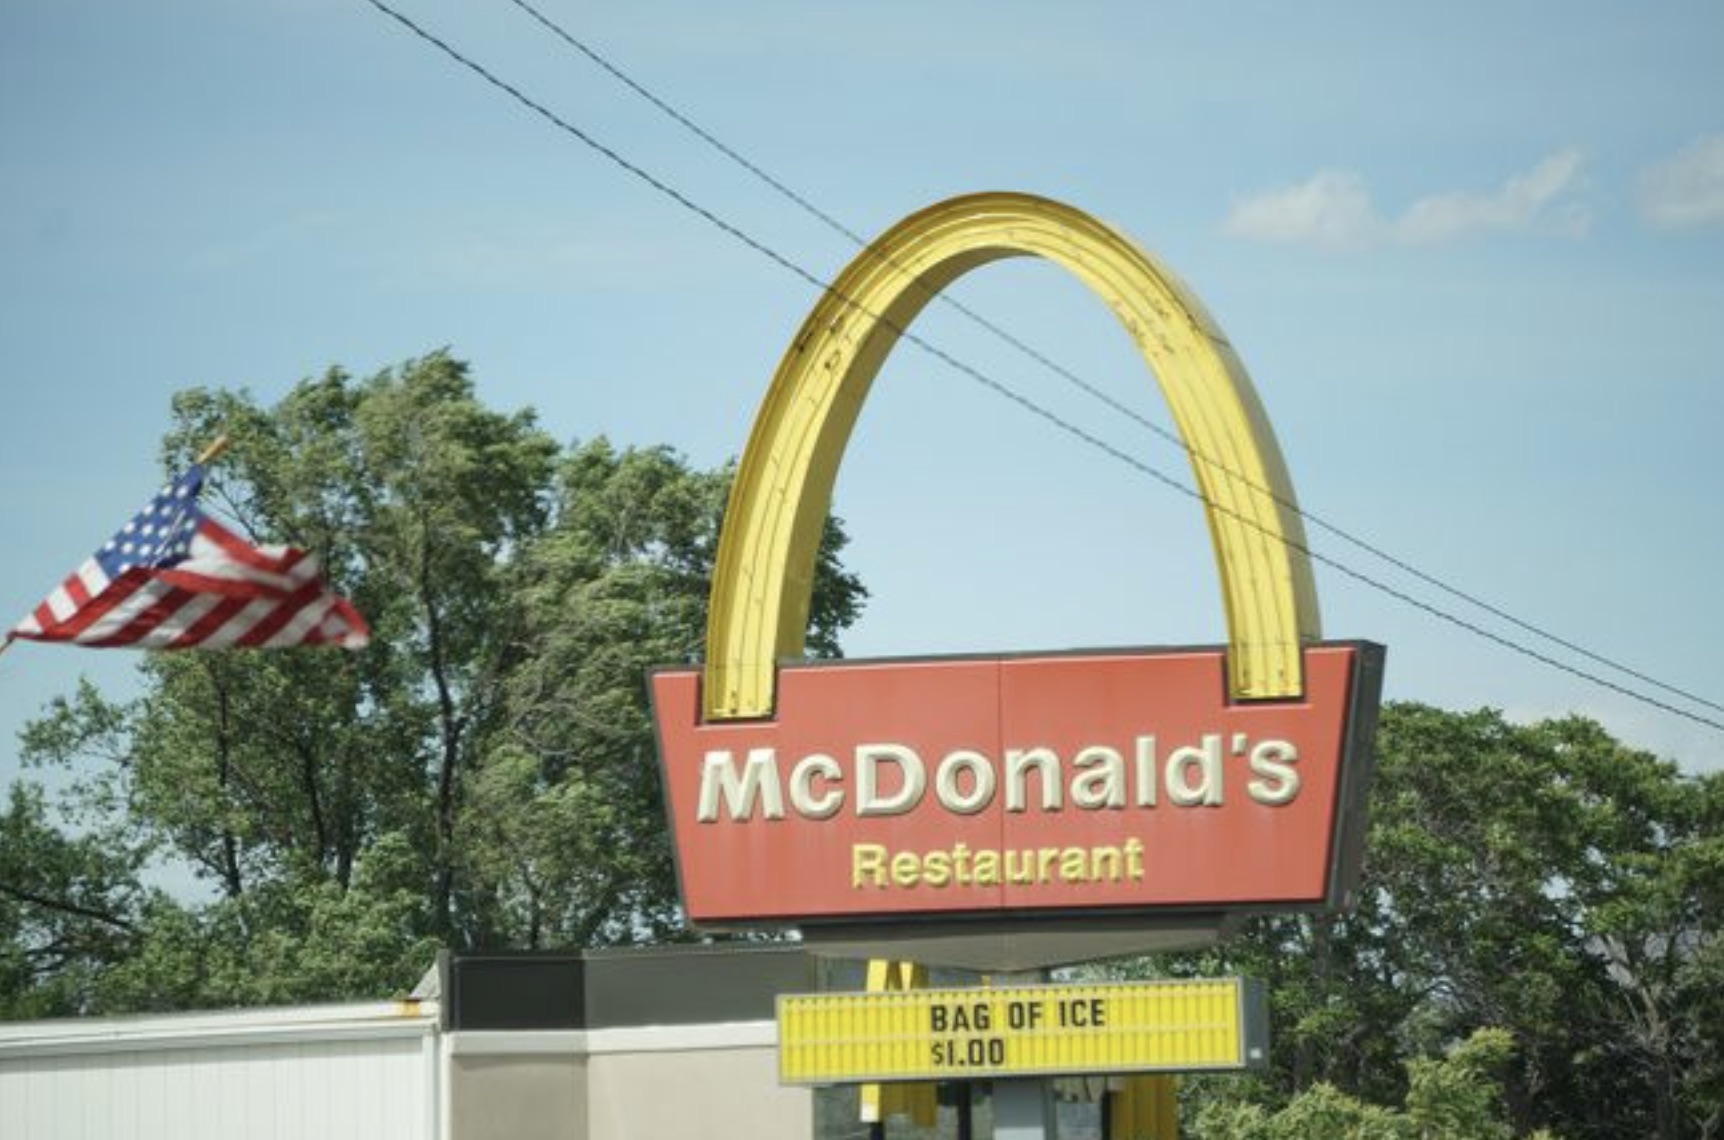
pixel 957 1034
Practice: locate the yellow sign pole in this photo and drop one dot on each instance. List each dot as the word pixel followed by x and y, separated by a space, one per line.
pixel 778 505
pixel 917 1101
pixel 764 571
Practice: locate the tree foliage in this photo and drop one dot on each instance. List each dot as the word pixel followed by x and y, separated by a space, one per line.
pixel 1543 881
pixel 482 775
pixel 1536 943
pixel 1454 1097
pixel 69 908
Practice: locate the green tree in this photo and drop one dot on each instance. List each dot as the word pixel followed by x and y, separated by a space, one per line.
pixel 284 768
pixel 1455 1097
pixel 281 942
pixel 69 906
pixel 1656 923
pixel 1542 879
pixel 573 844
pixel 482 774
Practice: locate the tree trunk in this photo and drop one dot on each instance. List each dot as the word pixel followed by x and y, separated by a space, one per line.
pixel 1322 962
pixel 313 799
pixel 232 882
pixel 450 725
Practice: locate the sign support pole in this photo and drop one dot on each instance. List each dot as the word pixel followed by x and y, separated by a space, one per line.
pixel 762 584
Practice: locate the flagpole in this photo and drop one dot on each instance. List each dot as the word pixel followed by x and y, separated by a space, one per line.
pixel 214 450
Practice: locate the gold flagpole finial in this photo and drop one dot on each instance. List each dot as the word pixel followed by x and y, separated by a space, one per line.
pixel 214 450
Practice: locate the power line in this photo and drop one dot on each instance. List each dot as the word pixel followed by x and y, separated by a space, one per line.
pixel 1029 405
pixel 809 207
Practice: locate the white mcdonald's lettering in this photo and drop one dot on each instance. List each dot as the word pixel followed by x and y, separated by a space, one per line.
pixel 887 779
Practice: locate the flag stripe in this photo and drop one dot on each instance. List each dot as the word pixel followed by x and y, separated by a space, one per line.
pixel 205 629
pixel 154 607
pixel 79 587
pixel 72 627
pixel 219 584
pixel 89 580
pixel 237 626
pixel 345 626
pixel 169 634
pixel 283 613
pixel 173 578
pixel 75 591
pixel 269 559
pixel 303 625
pixel 126 603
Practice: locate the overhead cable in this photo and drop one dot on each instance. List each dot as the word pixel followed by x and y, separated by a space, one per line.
pixel 1053 418
pixel 803 203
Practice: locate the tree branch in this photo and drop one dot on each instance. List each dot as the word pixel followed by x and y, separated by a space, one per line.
pixel 65 907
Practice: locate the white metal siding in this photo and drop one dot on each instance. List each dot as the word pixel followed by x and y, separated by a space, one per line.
pixel 305 1084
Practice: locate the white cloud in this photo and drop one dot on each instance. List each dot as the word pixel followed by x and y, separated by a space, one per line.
pixel 1687 189
pixel 1520 203
pixel 1334 210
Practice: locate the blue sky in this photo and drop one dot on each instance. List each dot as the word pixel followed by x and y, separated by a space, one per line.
pixel 1473 259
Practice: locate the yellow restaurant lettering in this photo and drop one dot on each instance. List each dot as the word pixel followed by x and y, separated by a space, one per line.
pixel 874 865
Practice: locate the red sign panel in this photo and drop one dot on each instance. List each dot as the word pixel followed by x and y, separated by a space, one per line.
pixel 1109 781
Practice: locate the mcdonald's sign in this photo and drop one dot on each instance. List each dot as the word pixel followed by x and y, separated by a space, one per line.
pixel 1146 785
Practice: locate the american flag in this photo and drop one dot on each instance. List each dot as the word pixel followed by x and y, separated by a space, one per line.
pixel 174 578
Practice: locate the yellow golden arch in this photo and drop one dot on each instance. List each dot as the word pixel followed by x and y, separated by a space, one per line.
pixel 778 506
